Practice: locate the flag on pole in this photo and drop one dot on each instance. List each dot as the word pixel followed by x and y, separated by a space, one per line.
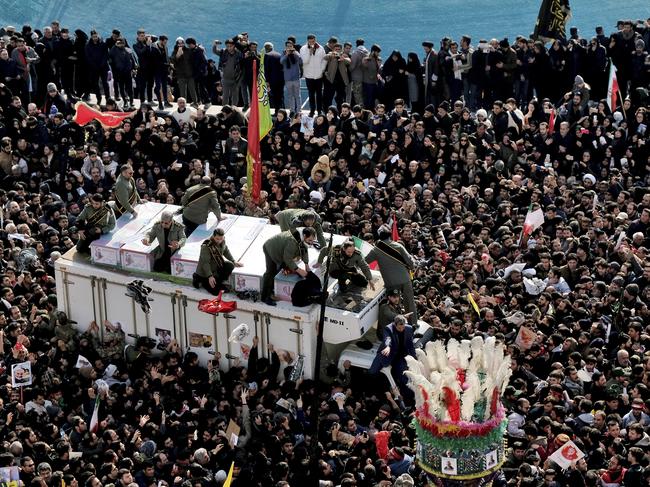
pixel 552 19
pixel 228 480
pixel 551 121
pixel 472 301
pixel 613 91
pixel 534 220
pixel 86 114
pixel 94 420
pixel 365 249
pixel 259 124
pixel 394 231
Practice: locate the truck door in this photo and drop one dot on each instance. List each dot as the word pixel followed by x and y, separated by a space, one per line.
pixel 78 288
pixel 291 335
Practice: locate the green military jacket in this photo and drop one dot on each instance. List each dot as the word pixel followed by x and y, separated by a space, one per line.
pixel 208 265
pixel 198 201
pixel 341 262
pixel 103 217
pixel 291 219
pixel 176 232
pixel 126 194
pixel 394 264
pixel 284 249
pixel 387 314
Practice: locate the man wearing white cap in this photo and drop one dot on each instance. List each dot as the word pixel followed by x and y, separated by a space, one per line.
pixel 171 237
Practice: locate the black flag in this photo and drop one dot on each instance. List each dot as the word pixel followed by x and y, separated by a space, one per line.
pixel 552 19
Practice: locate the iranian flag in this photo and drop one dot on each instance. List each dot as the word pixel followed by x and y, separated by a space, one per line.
pixel 534 220
pixel 86 114
pixel 94 420
pixel 613 91
pixel 259 124
pixel 365 249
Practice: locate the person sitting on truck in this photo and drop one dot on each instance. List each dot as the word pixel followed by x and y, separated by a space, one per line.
pixel 348 266
pixel 293 218
pixel 216 263
pixel 388 310
pixel 281 252
pixel 125 193
pixel 395 265
pixel 396 344
pixel 171 237
pixel 198 201
pixel 94 220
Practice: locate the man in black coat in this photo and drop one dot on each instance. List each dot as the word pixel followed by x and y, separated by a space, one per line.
pixel 274 76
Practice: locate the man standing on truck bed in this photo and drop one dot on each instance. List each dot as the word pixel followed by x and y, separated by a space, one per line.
pixel 198 201
pixel 348 266
pixel 171 237
pixel 216 263
pixel 281 252
pixel 395 265
pixel 293 218
pixel 125 193
pixel 94 220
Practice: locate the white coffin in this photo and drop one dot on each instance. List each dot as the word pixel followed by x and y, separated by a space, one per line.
pixel 106 249
pixel 184 261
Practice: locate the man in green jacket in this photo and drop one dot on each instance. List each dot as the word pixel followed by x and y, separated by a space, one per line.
pixel 198 201
pixel 281 252
pixel 94 220
pixel 171 237
pixel 216 263
pixel 348 266
pixel 125 192
pixel 293 218
pixel 395 265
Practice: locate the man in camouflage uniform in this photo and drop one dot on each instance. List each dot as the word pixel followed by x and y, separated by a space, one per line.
pixel 125 192
pixel 388 310
pixel 293 218
pixel 95 219
pixel 395 265
pixel 65 331
pixel 216 263
pixel 281 252
pixel 198 201
pixel 346 263
pixel 171 237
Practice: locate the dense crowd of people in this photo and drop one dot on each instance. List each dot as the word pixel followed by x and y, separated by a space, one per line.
pixel 457 145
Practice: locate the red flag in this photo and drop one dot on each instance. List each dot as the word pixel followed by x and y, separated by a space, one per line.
pixel 551 121
pixel 254 157
pixel 86 114
pixel 395 233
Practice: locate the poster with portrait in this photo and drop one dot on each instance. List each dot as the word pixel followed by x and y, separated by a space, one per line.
pixel 491 460
pixel 163 336
pixel 21 374
pixel 567 454
pixel 200 340
pixel 449 466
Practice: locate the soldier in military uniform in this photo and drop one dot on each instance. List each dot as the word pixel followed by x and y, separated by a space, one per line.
pixel 346 263
pixel 281 252
pixel 293 218
pixel 125 193
pixel 171 237
pixel 198 201
pixel 216 263
pixel 395 265
pixel 388 310
pixel 94 220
